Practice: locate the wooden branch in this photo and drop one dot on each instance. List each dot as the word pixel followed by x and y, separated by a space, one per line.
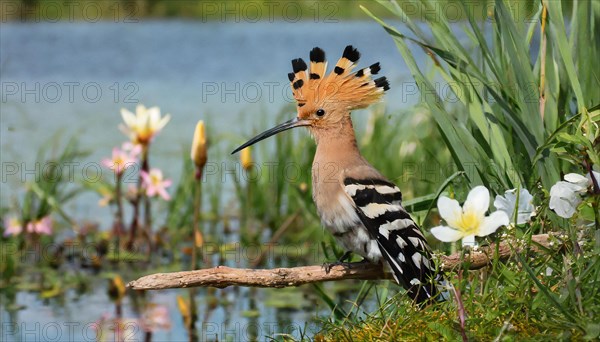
pixel 222 276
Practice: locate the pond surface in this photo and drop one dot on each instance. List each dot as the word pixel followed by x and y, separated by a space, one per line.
pixel 74 78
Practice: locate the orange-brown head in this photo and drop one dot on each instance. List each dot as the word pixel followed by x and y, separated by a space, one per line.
pixel 325 100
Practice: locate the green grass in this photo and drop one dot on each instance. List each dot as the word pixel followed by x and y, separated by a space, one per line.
pixel 499 120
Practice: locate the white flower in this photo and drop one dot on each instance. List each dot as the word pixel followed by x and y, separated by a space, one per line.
pixel 142 126
pixel 508 203
pixel 578 179
pixel 565 196
pixel 470 220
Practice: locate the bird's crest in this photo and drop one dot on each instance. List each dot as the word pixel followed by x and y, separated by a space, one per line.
pixel 342 86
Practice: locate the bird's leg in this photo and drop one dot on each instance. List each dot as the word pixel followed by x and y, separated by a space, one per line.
pixel 328 265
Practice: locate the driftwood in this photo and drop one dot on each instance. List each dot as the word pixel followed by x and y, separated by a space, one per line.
pixel 222 276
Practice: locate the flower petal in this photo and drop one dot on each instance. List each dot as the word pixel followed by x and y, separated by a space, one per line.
pixel 446 234
pixel 525 198
pixel 504 204
pixel 564 198
pixel 164 194
pixel 469 240
pixel 151 190
pixel 128 117
pixel 156 173
pixel 30 227
pixel 449 210
pixel 145 177
pixel 12 226
pixel 44 226
pixel 508 202
pixel 577 179
pixel 153 115
pixel 526 209
pixel 564 189
pixel 108 163
pixel 141 112
pixel 478 200
pixel 162 122
pixel 491 223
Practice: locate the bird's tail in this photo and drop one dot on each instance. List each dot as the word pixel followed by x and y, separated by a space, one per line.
pixel 419 275
pixel 431 290
pixel 407 252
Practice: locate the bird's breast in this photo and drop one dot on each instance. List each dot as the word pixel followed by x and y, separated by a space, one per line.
pixel 337 213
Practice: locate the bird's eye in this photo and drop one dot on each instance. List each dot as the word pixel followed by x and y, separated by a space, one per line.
pixel 320 112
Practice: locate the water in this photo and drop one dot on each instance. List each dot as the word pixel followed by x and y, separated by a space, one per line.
pixel 74 78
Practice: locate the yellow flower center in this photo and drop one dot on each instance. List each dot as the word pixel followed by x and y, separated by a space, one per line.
pixel 144 133
pixel 469 222
pixel 155 179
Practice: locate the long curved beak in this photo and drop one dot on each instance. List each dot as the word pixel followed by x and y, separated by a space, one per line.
pixel 295 122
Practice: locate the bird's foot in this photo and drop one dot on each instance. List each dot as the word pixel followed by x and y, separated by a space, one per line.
pixel 328 265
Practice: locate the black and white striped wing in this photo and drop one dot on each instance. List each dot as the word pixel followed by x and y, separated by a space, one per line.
pixel 378 204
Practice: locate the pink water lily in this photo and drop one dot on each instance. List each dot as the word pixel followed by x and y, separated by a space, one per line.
pixel 156 317
pixel 155 184
pixel 123 157
pixel 42 226
pixel 12 226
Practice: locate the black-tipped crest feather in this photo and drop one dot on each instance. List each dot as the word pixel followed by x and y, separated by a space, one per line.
pixel 351 54
pixel 317 55
pixel 352 90
pixel 298 64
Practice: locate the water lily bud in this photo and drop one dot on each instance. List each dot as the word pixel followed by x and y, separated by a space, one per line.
pixel 198 154
pixel 116 288
pixel 184 309
pixel 198 239
pixel 246 158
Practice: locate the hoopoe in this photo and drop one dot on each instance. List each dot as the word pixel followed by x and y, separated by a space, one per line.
pixel 355 202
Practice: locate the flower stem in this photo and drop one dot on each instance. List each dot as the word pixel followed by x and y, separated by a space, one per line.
pixel 147 208
pixel 458 295
pixel 196 218
pixel 135 222
pixel 461 307
pixel 196 230
pixel 596 198
pixel 118 224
